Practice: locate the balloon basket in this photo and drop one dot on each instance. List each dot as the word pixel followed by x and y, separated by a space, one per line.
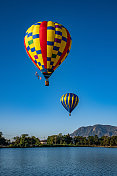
pixel 69 114
pixel 46 83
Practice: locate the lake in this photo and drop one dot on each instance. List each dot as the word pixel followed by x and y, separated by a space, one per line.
pixel 58 161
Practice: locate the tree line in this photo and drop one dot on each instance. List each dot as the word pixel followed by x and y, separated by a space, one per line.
pixel 23 141
pixel 82 141
pixel 58 140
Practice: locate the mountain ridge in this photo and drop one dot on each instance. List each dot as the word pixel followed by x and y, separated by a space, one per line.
pixel 98 129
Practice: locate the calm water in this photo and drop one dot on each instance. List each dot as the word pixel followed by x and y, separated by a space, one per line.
pixel 67 161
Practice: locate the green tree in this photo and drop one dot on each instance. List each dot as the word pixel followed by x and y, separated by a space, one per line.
pixel 91 140
pixel 25 141
pixel 3 141
pixel 96 140
pixel 67 139
pixel 105 141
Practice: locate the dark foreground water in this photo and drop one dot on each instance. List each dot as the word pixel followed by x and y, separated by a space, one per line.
pixel 66 161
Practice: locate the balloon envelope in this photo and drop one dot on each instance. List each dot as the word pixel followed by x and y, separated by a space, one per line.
pixel 47 43
pixel 69 101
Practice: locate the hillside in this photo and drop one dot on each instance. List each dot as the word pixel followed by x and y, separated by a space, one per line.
pixel 99 130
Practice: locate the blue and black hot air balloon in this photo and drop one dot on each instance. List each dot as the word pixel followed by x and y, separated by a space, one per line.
pixel 69 101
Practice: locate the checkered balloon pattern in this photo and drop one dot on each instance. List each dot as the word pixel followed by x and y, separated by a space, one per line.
pixel 47 43
pixel 69 101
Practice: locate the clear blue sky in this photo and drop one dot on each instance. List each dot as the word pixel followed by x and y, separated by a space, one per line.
pixel 90 70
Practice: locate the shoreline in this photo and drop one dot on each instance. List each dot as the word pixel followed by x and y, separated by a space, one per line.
pixel 41 146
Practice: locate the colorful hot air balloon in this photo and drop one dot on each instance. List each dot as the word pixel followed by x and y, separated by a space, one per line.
pixel 47 43
pixel 69 101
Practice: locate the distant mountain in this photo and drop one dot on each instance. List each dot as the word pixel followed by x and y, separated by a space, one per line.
pixel 99 130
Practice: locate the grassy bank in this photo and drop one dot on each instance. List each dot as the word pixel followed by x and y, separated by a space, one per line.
pixel 58 145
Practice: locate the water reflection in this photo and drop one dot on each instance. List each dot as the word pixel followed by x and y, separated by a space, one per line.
pixel 57 161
